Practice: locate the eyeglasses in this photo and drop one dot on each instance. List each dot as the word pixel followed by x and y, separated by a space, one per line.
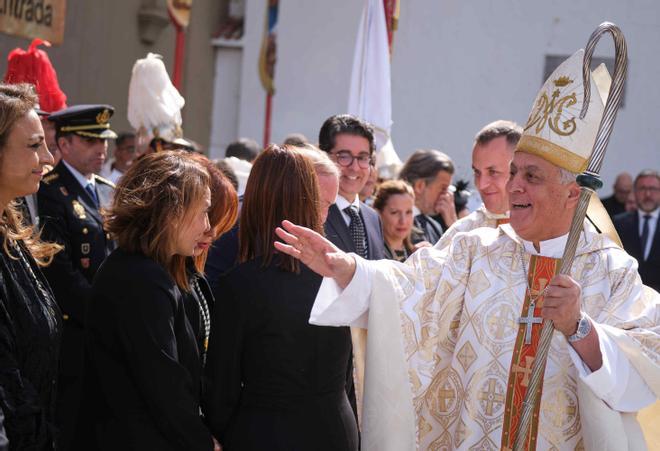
pixel 650 189
pixel 346 159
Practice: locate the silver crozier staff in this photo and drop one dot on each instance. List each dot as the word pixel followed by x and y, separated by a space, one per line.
pixel 589 181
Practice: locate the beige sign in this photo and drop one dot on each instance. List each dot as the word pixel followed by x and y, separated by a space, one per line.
pixel 33 19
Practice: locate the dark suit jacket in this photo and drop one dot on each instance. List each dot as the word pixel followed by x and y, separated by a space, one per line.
pixel 613 206
pixel 627 226
pixel 337 231
pixel 143 370
pixel 426 230
pixel 70 218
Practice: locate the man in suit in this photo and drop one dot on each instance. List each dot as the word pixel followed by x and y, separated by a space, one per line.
pixel 352 225
pixel 69 200
pixel 429 172
pixel 639 230
pixel 616 203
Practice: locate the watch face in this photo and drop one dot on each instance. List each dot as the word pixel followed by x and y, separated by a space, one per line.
pixel 584 327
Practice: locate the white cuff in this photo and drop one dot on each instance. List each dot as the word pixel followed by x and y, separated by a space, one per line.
pixel 616 382
pixel 348 307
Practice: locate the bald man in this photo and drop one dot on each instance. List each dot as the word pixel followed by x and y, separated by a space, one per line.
pixel 616 203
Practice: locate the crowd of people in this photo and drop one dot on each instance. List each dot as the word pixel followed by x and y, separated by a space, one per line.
pixel 160 300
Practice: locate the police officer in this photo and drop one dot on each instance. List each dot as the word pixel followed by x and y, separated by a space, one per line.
pixel 69 201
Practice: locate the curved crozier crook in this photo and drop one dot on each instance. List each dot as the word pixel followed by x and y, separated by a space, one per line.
pixel 616 89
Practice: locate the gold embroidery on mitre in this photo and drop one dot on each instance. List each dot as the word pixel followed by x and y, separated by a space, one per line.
pixel 103 117
pixel 549 111
pixel 562 81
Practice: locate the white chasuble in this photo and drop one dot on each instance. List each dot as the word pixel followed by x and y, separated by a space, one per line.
pixel 481 217
pixel 442 328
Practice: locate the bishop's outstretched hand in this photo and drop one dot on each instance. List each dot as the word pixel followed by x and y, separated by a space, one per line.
pixel 317 253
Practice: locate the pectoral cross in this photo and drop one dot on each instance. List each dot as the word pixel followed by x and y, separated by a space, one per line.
pixel 529 321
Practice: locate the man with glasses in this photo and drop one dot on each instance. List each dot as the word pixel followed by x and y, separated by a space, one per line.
pixel 352 225
pixel 639 229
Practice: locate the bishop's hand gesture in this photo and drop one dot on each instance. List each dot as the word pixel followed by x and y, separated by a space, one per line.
pixel 317 253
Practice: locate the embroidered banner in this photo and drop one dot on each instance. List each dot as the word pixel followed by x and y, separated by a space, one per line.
pixel 33 19
pixel 541 270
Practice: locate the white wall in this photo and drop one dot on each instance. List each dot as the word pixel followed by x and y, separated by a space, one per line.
pixel 456 66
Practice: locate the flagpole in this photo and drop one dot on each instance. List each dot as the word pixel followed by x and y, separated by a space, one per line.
pixel 179 54
pixel 269 110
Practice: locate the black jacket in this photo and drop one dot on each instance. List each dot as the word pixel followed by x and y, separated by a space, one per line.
pixel 69 217
pixel 30 328
pixel 627 226
pixel 337 231
pixel 275 382
pixel 143 368
pixel 426 229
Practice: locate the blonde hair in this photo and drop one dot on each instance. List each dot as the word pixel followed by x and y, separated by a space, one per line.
pixel 15 102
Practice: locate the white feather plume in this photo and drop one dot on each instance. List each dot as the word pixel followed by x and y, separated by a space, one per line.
pixel 154 104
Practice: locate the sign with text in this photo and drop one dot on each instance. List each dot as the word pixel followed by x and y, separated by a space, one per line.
pixel 33 19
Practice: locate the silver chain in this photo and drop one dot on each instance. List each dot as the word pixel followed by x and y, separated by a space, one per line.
pixel 206 316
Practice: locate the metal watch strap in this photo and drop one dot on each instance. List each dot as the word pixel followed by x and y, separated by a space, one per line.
pixel 583 329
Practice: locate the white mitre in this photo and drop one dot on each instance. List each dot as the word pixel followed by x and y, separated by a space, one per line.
pixel 554 130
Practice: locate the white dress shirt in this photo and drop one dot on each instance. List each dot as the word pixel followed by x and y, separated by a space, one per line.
pixel 342 203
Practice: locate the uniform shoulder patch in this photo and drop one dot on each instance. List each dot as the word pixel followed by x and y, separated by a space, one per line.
pixel 50 177
pixel 104 180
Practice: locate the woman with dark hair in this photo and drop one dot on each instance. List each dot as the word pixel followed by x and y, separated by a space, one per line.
pixel 30 321
pixel 394 202
pixel 144 369
pixel 273 381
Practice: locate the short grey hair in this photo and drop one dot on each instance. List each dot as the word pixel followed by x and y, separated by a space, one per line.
pixel 647 173
pixel 566 176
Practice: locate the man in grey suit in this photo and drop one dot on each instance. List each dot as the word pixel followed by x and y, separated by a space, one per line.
pixel 352 225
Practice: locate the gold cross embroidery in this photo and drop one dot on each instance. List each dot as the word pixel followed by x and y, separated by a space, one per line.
pixel 526 369
pixel 444 395
pixel 491 397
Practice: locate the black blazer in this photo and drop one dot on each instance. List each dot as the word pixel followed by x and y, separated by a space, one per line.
pixel 627 226
pixel 143 371
pixel 273 381
pixel 426 229
pixel 337 231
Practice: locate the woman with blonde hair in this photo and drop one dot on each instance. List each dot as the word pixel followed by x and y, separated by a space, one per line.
pixel 30 321
pixel 144 362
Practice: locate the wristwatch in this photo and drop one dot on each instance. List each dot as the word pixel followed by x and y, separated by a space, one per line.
pixel 583 329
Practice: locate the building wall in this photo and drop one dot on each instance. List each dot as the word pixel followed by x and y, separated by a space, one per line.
pixel 456 66
pixel 101 44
